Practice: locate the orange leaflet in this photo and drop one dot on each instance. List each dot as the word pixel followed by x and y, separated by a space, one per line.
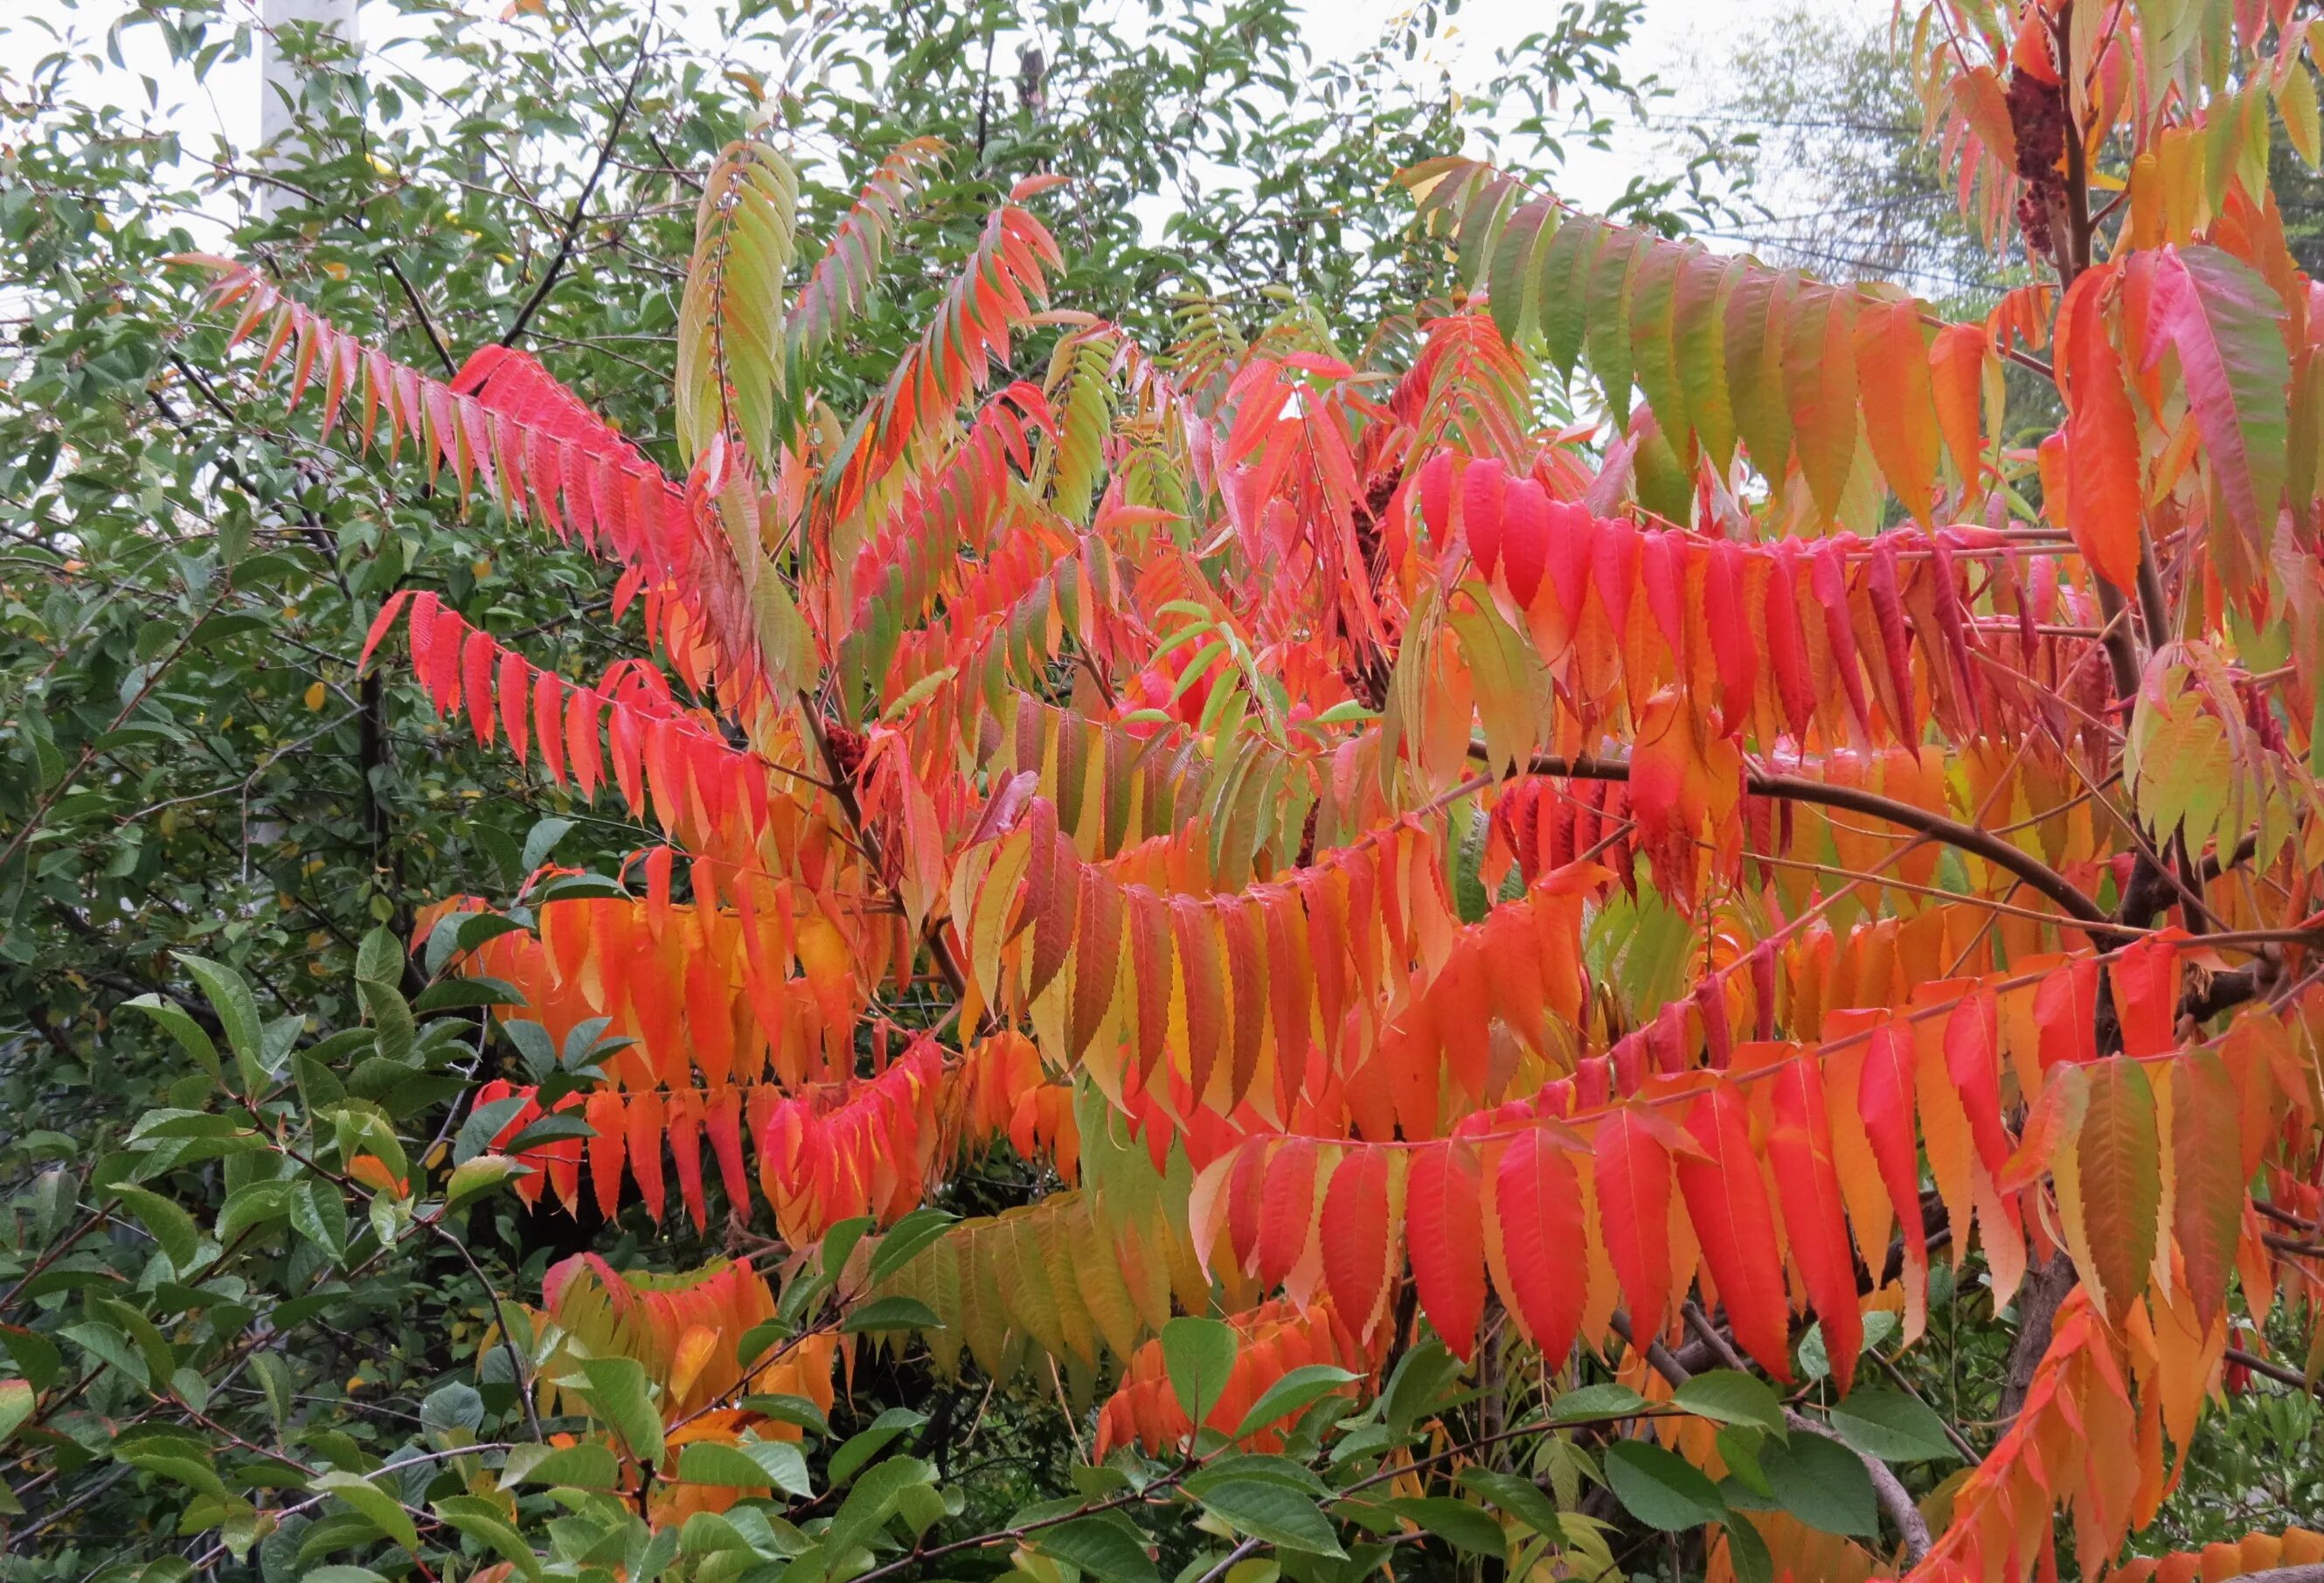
pixel 1900 417
pixel 1957 360
pixel 2105 485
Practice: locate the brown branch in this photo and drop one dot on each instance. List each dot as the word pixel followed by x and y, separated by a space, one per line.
pixel 2084 913
pixel 420 312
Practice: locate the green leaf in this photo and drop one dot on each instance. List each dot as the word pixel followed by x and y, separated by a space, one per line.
pixel 1747 1552
pixel 237 1014
pixel 619 1398
pixel 1892 1426
pixel 1596 1402
pixel 1296 1390
pixel 182 1027
pixel 480 1519
pixel 1457 1522
pixel 483 1125
pixel 871 1501
pixel 319 1214
pixel 1274 1513
pixel 1727 1395
pixel 1099 1547
pixel 908 1237
pixel 791 1409
pixel 1822 1484
pixel 1520 1497
pixel 1199 1354
pixel 1662 1490
pixel 382 1510
pixel 860 1447
pixel 892 1314
pixel 753 1463
pixel 586 1465
pixel 180 1238
pixel 478 1176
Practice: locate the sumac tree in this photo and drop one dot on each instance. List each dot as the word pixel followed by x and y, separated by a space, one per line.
pixel 1524 963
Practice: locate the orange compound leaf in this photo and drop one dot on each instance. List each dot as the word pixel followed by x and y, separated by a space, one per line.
pixel 1631 1171
pixel 1275 1339
pixel 1448 1245
pixel 1727 1199
pixel 2076 1444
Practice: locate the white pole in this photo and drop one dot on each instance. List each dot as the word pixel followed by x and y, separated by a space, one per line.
pixel 282 87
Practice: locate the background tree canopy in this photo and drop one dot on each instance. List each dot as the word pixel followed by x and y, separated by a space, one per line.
pixel 324 1255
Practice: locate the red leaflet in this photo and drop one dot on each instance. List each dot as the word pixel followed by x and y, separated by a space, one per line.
pixel 1807 1184
pixel 2145 980
pixel 476 658
pixel 1436 487
pixel 1884 1099
pixel 380 622
pixel 1359 1242
pixel 548 723
pixel 1663 573
pixel 1287 1210
pixel 1828 581
pixel 1094 975
pixel 1537 1200
pixel 1245 1194
pixel 1573 534
pixel 2065 1010
pixel 581 706
pixel 1481 488
pixel 1448 1242
pixel 1632 1173
pixel 1973 1062
pixel 1053 925
pixel 1614 568
pixel 1786 646
pixel 1727 1199
pixel 515 716
pixel 1525 539
pixel 1725 591
pixel 1895 642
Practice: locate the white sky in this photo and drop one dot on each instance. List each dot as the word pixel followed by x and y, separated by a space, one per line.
pixel 1670 30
